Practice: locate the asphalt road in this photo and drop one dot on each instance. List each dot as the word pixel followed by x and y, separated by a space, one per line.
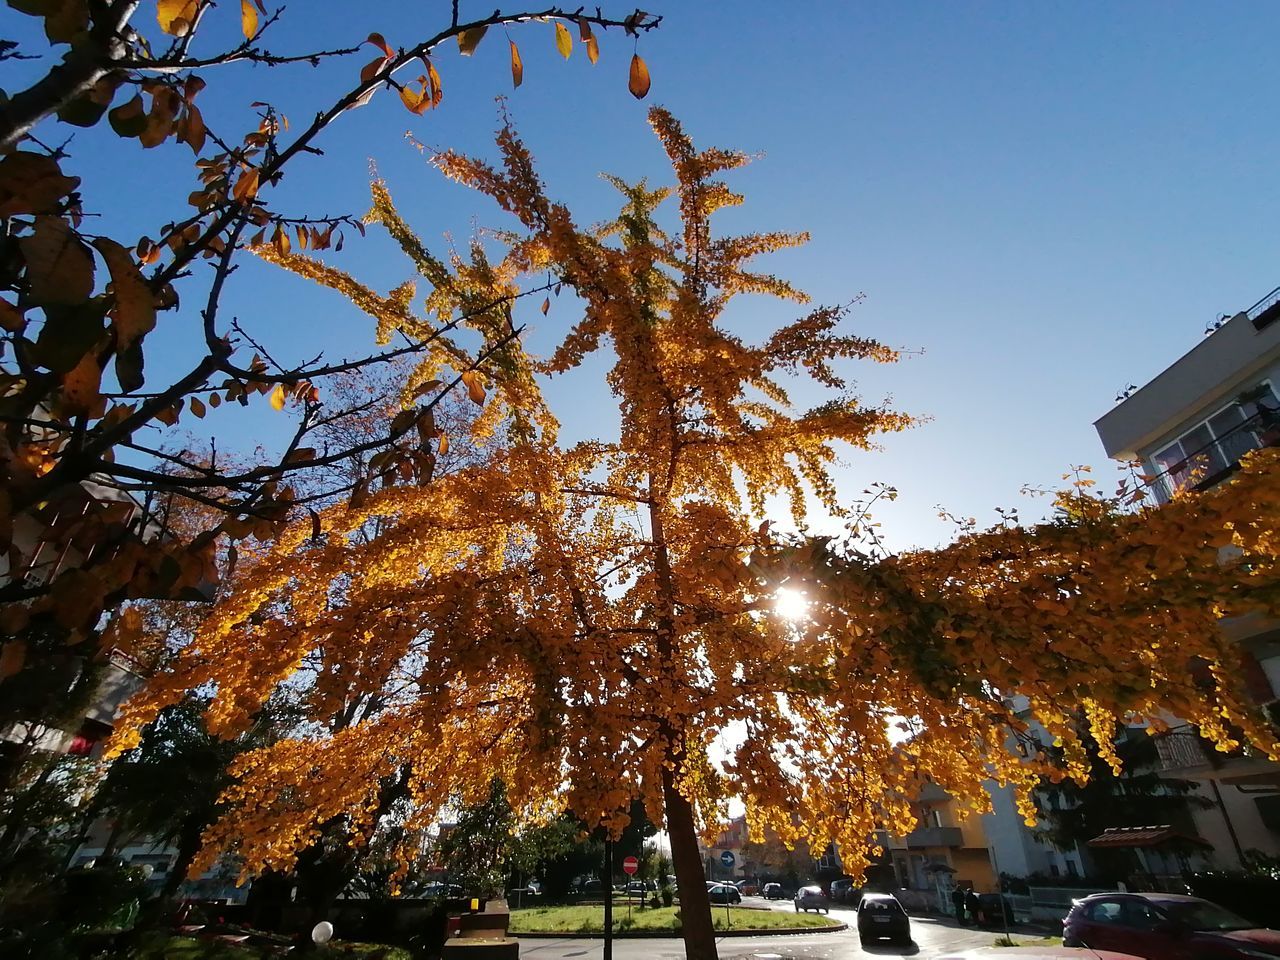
pixel 932 938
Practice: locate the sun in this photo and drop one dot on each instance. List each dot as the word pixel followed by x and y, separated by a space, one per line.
pixel 790 604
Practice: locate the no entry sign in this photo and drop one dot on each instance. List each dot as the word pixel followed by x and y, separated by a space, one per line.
pixel 630 865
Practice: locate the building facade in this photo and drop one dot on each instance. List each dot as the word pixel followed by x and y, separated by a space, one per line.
pixel 1188 428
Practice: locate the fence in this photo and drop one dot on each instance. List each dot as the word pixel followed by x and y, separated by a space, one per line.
pixel 1052 903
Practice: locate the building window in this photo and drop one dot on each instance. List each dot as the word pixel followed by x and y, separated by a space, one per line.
pixel 1072 869
pixel 1213 445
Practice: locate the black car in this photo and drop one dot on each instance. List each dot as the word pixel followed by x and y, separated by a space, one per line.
pixel 881 917
pixel 1165 926
pixel 989 909
pixel 724 893
pixel 774 891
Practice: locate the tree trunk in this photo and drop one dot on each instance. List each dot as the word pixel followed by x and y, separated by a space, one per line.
pixel 695 906
pixel 188 847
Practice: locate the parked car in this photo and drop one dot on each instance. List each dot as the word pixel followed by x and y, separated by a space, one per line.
pixel 774 891
pixel 1165 926
pixel 842 890
pixel 812 898
pixel 723 893
pixel 881 917
pixel 640 888
pixel 748 888
pixel 989 905
pixel 591 886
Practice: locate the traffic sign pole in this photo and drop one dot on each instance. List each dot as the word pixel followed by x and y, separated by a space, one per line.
pixel 727 859
pixel 629 866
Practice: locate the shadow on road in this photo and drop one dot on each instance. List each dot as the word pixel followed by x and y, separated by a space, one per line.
pixel 892 949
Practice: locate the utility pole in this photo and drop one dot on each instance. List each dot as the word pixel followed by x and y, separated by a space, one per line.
pixel 608 899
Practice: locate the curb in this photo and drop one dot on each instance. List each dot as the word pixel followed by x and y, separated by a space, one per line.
pixel 664 935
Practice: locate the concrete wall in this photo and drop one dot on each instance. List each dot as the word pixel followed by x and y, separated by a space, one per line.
pixel 1240 809
pixel 1207 377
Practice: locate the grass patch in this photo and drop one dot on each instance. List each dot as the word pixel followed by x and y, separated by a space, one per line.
pixel 590 919
pixel 1027 941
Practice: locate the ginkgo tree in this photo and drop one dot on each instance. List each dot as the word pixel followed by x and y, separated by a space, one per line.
pixel 91 435
pixel 596 622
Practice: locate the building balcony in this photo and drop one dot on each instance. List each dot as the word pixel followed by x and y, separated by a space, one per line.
pixel 934 837
pixel 1213 462
pixel 1185 754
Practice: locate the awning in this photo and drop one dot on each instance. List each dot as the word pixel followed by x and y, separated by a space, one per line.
pixel 1156 836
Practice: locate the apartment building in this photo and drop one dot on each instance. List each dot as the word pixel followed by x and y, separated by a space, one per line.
pixel 1189 427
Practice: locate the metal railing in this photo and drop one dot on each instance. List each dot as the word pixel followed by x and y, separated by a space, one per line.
pixel 1263 305
pixel 1215 460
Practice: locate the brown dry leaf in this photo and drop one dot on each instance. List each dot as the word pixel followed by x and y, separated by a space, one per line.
pixel 192 130
pixel 638 83
pixel 82 387
pixel 564 40
pixel 593 50
pixel 517 68
pixel 197 408
pixel 12 655
pixel 59 267
pixel 246 187
pixel 134 314
pixel 546 305
pixel 468 40
pixel 31 183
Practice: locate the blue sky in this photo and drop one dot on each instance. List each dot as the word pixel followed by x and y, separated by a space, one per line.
pixel 1049 200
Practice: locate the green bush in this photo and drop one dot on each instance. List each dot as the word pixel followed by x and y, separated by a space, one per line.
pixel 668 895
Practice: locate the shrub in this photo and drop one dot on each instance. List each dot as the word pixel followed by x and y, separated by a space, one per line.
pixel 668 895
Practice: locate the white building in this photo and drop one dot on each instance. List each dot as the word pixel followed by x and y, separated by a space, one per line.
pixel 1189 427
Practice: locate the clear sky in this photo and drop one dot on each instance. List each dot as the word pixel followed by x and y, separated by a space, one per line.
pixel 1050 201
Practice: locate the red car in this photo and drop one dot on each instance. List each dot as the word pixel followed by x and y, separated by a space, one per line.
pixel 1166 926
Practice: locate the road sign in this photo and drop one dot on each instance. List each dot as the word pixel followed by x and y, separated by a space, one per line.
pixel 727 858
pixel 630 865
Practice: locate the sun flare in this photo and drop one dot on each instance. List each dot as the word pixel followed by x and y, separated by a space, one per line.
pixel 790 604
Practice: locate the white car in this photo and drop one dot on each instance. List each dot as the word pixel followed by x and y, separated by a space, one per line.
pixel 812 898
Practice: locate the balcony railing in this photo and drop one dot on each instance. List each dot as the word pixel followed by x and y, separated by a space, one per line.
pixel 1265 310
pixel 1216 460
pixel 1183 750
pixel 935 837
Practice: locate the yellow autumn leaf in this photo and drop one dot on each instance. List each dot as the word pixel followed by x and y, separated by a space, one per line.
pixel 517 68
pixel 564 40
pixel 176 16
pixel 248 18
pixel 277 397
pixel 475 389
